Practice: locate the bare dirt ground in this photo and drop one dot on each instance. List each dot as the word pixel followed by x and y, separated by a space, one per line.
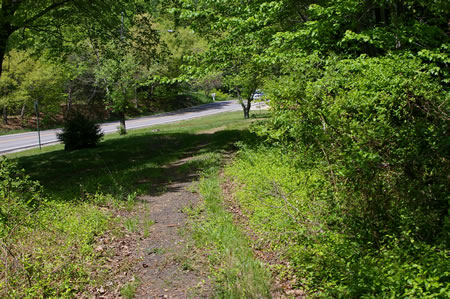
pixel 152 261
pixel 162 271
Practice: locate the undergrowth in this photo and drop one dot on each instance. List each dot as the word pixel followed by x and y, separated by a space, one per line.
pixel 294 208
pixel 47 246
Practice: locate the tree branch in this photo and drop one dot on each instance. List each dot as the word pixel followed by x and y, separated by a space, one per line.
pixel 45 11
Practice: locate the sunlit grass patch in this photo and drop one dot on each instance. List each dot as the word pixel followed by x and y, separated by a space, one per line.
pixel 128 291
pixel 292 208
pixel 236 271
pixel 53 256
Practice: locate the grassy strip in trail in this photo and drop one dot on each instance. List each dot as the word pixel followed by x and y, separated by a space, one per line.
pixel 235 270
pixel 52 252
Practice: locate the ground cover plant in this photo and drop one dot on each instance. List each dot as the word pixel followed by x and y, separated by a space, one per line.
pixel 46 245
pixel 292 209
pixel 49 238
pixel 236 272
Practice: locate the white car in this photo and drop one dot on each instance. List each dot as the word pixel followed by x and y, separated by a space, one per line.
pixel 258 95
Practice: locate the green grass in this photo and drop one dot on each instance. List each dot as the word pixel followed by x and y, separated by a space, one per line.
pixel 236 271
pixel 9 132
pixel 124 164
pixel 289 205
pixel 129 290
pixel 53 255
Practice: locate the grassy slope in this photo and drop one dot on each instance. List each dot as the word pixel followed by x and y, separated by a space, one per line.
pixel 86 188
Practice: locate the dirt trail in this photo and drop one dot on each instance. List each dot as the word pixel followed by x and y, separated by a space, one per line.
pixel 161 269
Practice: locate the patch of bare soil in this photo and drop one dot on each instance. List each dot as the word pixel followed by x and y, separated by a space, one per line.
pixel 15 123
pixel 162 270
pixel 152 262
pixel 211 131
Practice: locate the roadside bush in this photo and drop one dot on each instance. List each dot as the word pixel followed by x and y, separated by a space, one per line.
pixel 80 132
pixel 379 126
pixel 220 95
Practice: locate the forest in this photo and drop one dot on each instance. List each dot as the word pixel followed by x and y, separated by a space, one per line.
pixel 345 180
pixel 108 60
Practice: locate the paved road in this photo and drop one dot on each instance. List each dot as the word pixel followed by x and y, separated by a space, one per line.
pixel 22 141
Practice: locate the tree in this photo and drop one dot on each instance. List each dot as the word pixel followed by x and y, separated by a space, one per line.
pixel 127 63
pixel 27 79
pixel 236 40
pixel 117 75
pixel 210 81
pixel 55 24
pixel 52 18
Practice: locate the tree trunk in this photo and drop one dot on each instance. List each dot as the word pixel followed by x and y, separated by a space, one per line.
pixel 3 42
pixel 69 102
pixel 5 115
pixel 6 12
pixel 22 113
pixel 246 108
pixel 246 114
pixel 123 128
pixel 91 97
pixel 136 101
pixel 151 91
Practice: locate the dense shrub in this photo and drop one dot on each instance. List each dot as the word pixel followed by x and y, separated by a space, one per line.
pixel 80 132
pixel 380 128
pixel 353 184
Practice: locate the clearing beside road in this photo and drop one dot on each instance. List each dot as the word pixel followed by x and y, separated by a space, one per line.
pixel 124 218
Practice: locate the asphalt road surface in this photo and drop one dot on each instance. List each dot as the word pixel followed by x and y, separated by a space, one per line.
pixel 22 141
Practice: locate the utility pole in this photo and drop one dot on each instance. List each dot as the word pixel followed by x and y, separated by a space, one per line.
pixel 36 108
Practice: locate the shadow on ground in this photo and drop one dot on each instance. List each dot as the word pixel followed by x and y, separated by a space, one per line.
pixel 128 164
